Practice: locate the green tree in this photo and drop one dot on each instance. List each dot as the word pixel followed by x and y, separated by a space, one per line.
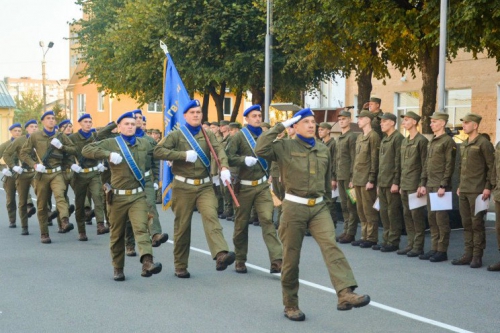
pixel 28 106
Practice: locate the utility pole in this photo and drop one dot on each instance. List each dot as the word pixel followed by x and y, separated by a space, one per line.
pixel 443 21
pixel 268 62
pixel 44 52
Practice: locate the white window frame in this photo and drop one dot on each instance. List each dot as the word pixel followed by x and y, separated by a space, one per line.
pixel 81 105
pixel 100 101
pixel 452 109
pixel 157 107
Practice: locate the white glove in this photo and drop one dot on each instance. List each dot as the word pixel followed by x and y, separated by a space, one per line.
pixel 225 175
pixel 40 168
pixel 169 163
pixel 6 172
pixel 250 161
pixel 290 122
pixel 100 167
pixel 155 186
pixel 18 169
pixel 76 168
pixel 216 180
pixel 115 158
pixel 191 156
pixel 56 143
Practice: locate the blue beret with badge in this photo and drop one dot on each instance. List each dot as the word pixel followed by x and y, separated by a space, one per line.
pixel 14 125
pixel 137 111
pixel 307 112
pixel 192 104
pixel 29 122
pixel 130 114
pixel 64 122
pixel 48 113
pixel 255 107
pixel 84 116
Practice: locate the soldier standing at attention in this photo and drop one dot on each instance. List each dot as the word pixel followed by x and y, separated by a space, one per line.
pixel 127 155
pixel 389 178
pixel 49 147
pixel 364 178
pixel 495 179
pixel 254 191
pixel 374 107
pixel 87 178
pixel 324 134
pixel 345 153
pixel 439 167
pixel 189 153
pixel 9 182
pixel 413 156
pixel 306 167
pixel 475 169
pixel 25 174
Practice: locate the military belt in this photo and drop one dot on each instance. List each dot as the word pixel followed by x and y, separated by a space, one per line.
pixel 28 170
pixel 304 201
pixel 193 181
pixel 254 182
pixel 49 171
pixel 87 170
pixel 128 192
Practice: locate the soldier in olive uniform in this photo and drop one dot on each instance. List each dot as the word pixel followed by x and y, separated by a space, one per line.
pixel 254 191
pixel 475 169
pixel 306 167
pixel 224 131
pixel 25 174
pixel 214 172
pixel 374 107
pixel 324 130
pixel 49 147
pixel 192 187
pixel 229 208
pixel 345 153
pixel 413 156
pixel 364 179
pixel 389 178
pixel 128 198
pixel 439 167
pixel 495 180
pixel 9 182
pixel 66 128
pixel 277 185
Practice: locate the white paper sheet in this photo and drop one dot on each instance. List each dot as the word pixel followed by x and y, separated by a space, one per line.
pixel 335 193
pixel 481 204
pixel 443 203
pixel 415 202
pixel 376 205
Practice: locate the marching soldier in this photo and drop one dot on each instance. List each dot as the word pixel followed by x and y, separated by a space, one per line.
pixel 192 186
pixel 127 155
pixel 224 131
pixel 439 167
pixel 228 199
pixel 25 174
pixel 214 173
pixel 48 146
pixel 277 184
pixel 413 156
pixel 253 191
pixel 306 168
pixel 345 153
pixel 324 134
pixel 9 182
pixel 389 178
pixel 475 169
pixel 364 179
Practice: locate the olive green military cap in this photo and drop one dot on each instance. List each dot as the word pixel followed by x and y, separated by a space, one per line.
pixel 206 123
pixel 157 131
pixel 345 114
pixel 235 125
pixel 412 115
pixel 223 122
pixel 390 116
pixel 267 125
pixel 440 115
pixel 472 117
pixel 366 114
pixel 214 123
pixel 325 125
pixel 376 100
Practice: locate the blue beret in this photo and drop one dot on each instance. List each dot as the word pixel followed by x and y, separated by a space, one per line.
pixel 144 118
pixel 137 111
pixel 255 107
pixel 130 114
pixel 14 125
pixel 29 122
pixel 304 113
pixel 48 113
pixel 109 123
pixel 192 104
pixel 84 116
pixel 64 122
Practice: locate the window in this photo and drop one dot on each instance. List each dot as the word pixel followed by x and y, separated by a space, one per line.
pixel 355 103
pixel 155 107
pixel 227 106
pixel 100 101
pixel 458 103
pixel 71 103
pixel 81 104
pixel 406 101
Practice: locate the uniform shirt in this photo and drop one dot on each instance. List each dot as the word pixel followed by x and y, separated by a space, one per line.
pixel 366 161
pixel 475 165
pixel 214 169
pixel 306 170
pixel 152 164
pixel 41 142
pixel 11 154
pixel 389 170
pixel 81 142
pixel 440 162
pixel 495 174
pixel 413 156
pixel 174 146
pixel 376 124
pixel 331 144
pixel 237 150
pixel 121 176
pixel 345 153
pixel 3 148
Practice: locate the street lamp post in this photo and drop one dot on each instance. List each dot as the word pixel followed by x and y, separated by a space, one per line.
pixel 44 52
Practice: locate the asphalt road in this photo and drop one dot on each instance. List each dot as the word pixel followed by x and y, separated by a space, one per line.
pixel 67 286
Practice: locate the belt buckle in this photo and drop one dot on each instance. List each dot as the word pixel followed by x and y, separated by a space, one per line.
pixel 311 202
pixel 128 192
pixel 255 182
pixel 197 181
pixel 49 170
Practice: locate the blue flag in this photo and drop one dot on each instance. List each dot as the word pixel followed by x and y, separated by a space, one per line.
pixel 175 97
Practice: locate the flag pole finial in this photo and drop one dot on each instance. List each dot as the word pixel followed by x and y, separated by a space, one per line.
pixel 163 47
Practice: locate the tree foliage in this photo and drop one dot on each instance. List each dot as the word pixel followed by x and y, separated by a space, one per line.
pixel 28 106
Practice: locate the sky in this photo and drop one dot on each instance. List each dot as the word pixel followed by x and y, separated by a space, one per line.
pixel 23 24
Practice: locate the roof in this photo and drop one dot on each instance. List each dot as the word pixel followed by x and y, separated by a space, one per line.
pixel 6 100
